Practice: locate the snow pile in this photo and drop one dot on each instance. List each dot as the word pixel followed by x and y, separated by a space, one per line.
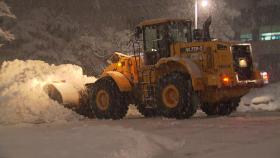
pixel 265 99
pixel 133 112
pixel 22 98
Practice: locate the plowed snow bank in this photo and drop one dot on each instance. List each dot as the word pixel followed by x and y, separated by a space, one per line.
pixel 22 99
pixel 265 99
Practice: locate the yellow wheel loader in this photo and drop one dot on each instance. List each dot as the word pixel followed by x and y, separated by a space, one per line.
pixel 172 70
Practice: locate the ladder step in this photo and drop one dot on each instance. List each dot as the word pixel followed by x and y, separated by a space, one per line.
pixel 148 99
pixel 146 74
pixel 145 82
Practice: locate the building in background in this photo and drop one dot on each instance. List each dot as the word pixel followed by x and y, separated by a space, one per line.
pixel 259 24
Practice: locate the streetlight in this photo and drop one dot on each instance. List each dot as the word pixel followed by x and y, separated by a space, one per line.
pixel 204 4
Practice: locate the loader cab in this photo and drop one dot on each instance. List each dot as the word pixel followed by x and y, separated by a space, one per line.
pixel 159 35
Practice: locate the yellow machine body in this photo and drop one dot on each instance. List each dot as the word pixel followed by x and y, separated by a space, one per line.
pixel 206 65
pixel 176 69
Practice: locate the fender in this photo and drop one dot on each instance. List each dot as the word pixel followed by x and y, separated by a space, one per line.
pixel 122 82
pixel 188 66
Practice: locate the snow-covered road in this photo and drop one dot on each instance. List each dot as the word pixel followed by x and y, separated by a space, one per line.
pixel 255 135
pixel 34 126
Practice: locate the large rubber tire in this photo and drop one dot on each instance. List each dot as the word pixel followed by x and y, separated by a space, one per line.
pixel 84 108
pixel 235 103
pixel 116 106
pixel 222 109
pixel 225 108
pixel 147 112
pixel 183 107
pixel 210 109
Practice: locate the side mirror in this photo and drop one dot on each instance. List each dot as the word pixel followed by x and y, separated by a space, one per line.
pixel 138 32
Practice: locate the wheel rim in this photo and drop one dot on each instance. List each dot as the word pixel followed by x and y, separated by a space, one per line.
pixel 102 100
pixel 171 96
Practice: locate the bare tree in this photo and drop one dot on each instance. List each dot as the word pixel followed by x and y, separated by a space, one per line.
pixel 6 17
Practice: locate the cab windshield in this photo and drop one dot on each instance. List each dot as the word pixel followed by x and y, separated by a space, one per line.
pixel 180 32
pixel 172 32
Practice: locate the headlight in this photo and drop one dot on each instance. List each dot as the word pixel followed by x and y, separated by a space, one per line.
pixel 120 64
pixel 265 77
pixel 243 63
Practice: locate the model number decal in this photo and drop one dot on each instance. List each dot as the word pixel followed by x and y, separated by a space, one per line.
pixel 194 49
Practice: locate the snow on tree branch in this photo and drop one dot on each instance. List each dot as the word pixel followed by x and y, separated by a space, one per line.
pixel 5 15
